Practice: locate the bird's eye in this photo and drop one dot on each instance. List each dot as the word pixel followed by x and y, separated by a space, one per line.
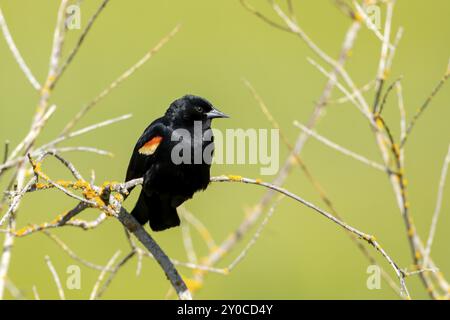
pixel 199 109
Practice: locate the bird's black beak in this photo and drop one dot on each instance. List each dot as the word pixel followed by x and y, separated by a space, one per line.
pixel 214 113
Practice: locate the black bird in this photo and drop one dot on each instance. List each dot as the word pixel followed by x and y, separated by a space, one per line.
pixel 183 135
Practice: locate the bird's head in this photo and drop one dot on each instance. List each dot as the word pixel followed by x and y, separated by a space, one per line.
pixel 193 108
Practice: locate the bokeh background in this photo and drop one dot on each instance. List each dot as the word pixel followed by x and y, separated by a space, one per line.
pixel 299 255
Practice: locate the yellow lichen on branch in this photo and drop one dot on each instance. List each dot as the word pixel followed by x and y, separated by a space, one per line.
pixel 234 178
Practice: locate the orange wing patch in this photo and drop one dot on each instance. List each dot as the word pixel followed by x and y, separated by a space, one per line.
pixel 150 147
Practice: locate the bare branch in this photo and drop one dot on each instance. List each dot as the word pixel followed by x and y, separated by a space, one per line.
pixel 8 241
pixel 261 16
pixel 368 238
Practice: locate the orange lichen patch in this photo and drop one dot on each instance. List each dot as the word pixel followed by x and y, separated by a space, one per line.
pixel 118 197
pixel 99 201
pixel 37 168
pixel 192 284
pixel 396 149
pixel 27 230
pixel 410 220
pixel 43 225
pixel 51 78
pixel 64 183
pixel 23 231
pixel 369 238
pixel 88 193
pixel 418 255
pixel 45 90
pixel 411 231
pixel 358 17
pixel 42 185
pixel 379 122
pixel 258 181
pixel 59 217
pixel 198 272
pixel 234 178
pixel 150 147
pixel 29 172
pixel 81 184
pixel 105 184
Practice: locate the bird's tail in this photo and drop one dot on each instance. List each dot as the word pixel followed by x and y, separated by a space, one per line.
pixel 157 211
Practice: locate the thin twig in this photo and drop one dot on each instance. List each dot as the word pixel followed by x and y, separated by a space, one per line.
pixel 80 41
pixel 187 242
pixel 368 86
pixel 386 94
pixel 114 273
pixel 255 237
pixel 73 255
pixel 424 106
pixel 109 265
pixel 261 16
pixel 36 293
pixel 385 47
pixel 55 278
pixel 437 210
pixel 118 81
pixel 84 130
pixel 17 56
pixel 200 227
pixel 339 148
pixel 370 25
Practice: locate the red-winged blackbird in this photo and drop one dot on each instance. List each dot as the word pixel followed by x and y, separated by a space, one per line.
pixel 168 182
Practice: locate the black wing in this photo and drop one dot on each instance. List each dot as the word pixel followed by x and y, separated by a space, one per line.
pixel 143 153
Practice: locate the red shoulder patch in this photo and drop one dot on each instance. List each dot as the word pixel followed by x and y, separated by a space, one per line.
pixel 150 146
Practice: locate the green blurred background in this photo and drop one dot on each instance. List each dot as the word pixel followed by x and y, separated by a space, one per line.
pixel 299 255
